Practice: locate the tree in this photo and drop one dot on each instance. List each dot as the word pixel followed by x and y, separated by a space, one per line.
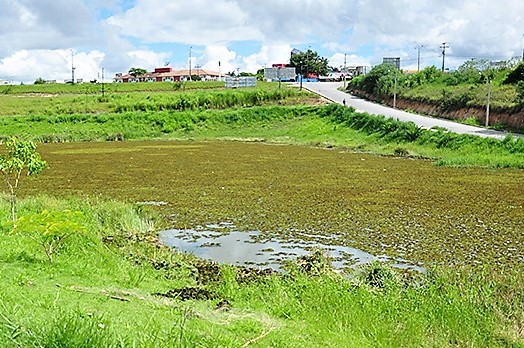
pixel 515 75
pixel 309 62
pixel 39 81
pixel 21 158
pixel 380 80
pixel 260 74
pixel 137 72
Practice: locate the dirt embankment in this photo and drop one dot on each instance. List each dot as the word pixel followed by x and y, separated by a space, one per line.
pixel 508 118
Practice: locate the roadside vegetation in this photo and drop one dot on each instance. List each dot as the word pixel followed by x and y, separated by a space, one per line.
pixel 90 272
pixel 465 88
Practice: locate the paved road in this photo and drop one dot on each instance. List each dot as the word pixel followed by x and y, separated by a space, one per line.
pixel 329 90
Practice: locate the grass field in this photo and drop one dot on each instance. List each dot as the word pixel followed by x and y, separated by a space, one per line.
pixel 113 287
pixel 87 99
pixel 276 161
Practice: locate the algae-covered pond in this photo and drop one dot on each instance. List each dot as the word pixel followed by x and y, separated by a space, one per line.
pixel 404 208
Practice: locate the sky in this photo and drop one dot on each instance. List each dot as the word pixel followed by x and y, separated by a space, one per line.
pixel 46 38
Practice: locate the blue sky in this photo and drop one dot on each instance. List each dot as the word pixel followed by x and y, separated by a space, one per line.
pixel 38 36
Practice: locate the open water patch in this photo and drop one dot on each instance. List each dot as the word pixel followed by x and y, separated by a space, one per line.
pixel 224 244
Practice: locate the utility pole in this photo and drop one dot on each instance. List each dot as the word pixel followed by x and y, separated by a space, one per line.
pixel 301 76
pixel 523 47
pixel 279 77
pixel 103 94
pixel 443 47
pixel 190 63
pixel 72 68
pixel 418 56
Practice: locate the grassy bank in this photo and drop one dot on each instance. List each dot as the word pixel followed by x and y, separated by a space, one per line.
pixel 113 287
pixel 331 125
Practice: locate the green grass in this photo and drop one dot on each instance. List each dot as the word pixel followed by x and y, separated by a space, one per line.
pixel 83 88
pixel 42 105
pixel 104 287
pixel 330 125
pixel 502 96
pixel 100 291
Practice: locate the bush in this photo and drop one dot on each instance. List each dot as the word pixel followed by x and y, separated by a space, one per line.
pixel 515 75
pixel 49 229
pixel 520 93
pixel 378 275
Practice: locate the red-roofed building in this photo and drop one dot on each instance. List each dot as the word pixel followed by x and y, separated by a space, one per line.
pixel 167 74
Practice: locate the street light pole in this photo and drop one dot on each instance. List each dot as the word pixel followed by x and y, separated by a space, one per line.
pixel 488 101
pixel 395 91
pixel 418 56
pixel 72 68
pixel 190 63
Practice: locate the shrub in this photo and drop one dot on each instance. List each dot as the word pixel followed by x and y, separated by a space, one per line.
pixel 50 229
pixel 520 93
pixel 515 75
pixel 378 275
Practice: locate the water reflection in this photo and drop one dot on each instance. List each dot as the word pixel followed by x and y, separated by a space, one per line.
pixel 224 244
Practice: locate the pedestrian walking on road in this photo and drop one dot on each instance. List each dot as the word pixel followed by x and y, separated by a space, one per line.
pixel 344 102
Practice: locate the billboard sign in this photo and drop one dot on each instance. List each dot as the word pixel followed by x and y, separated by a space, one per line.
pixel 241 82
pixel 280 74
pixel 392 60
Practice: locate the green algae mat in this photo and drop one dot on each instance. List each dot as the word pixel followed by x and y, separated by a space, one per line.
pixel 397 207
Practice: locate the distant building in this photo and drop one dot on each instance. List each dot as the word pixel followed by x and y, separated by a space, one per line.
pixel 354 71
pixel 167 74
pixel 392 60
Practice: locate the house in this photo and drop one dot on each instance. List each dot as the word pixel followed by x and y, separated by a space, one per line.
pixel 167 74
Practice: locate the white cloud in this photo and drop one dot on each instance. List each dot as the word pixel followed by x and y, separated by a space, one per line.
pixel 268 54
pixel 215 54
pixel 338 59
pixel 248 34
pixel 211 22
pixel 37 24
pixel 147 59
pixel 200 22
pixel 27 65
pixel 471 28
pixel 299 21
